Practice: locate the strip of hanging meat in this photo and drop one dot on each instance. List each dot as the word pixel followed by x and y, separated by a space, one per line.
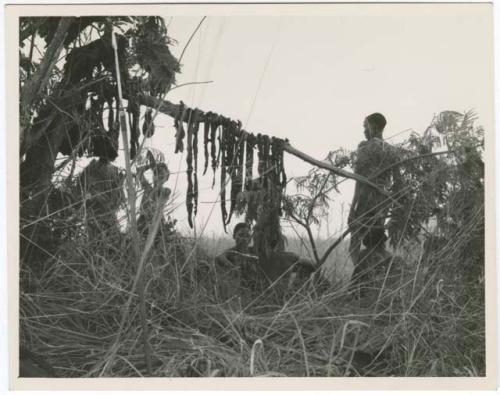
pixel 222 152
pixel 196 127
pixel 148 126
pixel 250 144
pixel 214 125
pixel 189 171
pixel 206 138
pixel 237 167
pixel 180 133
pixel 134 113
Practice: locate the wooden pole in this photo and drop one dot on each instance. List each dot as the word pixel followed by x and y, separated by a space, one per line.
pixel 124 126
pixel 172 110
pixel 328 166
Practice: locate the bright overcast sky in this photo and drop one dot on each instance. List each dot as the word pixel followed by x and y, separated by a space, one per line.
pixel 314 79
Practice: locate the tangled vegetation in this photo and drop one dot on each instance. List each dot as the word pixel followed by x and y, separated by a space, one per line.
pixel 80 307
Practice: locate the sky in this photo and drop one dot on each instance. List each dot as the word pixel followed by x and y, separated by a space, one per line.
pixel 313 79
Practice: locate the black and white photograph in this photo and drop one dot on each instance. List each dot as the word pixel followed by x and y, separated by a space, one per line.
pixel 253 191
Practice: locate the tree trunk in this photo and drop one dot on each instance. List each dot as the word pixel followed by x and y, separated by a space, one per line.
pixel 38 164
pixel 32 90
pixel 36 186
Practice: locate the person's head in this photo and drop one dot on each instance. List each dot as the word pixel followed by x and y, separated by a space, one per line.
pixel 374 125
pixel 375 238
pixel 165 193
pixel 242 235
pixel 160 174
pixel 278 243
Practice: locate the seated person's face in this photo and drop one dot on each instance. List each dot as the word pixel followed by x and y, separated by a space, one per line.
pixel 243 237
pixel 161 175
pixel 165 193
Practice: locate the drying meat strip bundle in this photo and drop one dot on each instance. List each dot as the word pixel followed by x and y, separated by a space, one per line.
pixel 267 164
pixel 260 163
pixel 180 133
pixel 281 163
pixel 148 126
pixel 250 141
pixel 263 155
pixel 192 153
pixel 228 147
pixel 196 127
pixel 223 154
pixel 237 165
pixel 277 158
pixel 206 139
pixel 189 161
pixel 134 114
pixel 214 125
pixel 230 156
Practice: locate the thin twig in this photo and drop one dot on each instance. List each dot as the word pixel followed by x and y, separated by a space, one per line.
pixel 190 83
pixel 190 38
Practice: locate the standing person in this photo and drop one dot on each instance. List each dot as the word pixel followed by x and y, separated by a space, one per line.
pixel 377 277
pixel 369 207
pixel 373 262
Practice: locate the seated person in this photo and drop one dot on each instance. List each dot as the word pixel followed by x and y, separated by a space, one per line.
pixel 235 260
pixel 253 272
pixel 154 196
pixel 242 237
pixel 280 262
pixel 374 261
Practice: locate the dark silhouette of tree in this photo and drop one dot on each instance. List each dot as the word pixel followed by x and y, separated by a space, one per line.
pixel 69 101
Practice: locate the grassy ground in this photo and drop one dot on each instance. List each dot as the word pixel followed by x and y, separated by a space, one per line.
pixel 426 324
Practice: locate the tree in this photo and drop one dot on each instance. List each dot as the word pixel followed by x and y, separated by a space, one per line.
pixel 66 97
pixel 313 198
pixel 69 92
pixel 445 186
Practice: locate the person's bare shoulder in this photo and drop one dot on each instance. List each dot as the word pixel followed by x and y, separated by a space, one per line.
pixel 363 144
pixel 223 257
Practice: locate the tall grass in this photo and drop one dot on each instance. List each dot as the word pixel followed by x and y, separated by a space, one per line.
pixel 425 324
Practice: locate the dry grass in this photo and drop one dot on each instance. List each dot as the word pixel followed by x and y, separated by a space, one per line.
pixel 427 324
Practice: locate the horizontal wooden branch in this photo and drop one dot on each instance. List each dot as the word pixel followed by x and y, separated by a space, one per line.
pixel 162 106
pixel 328 166
pixel 172 110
